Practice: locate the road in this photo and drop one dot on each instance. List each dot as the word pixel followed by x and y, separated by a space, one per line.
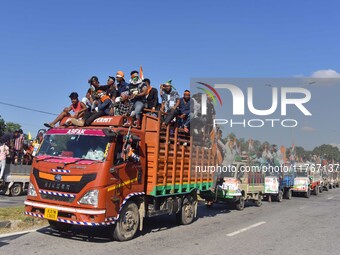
pixel 297 226
pixel 6 201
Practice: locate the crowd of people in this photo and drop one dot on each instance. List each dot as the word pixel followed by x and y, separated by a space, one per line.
pixel 14 150
pixel 121 98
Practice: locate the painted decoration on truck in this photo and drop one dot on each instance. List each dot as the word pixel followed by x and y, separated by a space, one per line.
pixel 76 131
pixel 271 185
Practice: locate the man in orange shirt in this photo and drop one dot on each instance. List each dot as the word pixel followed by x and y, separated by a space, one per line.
pixel 77 107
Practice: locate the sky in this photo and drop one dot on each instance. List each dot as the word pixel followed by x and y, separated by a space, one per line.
pixel 50 48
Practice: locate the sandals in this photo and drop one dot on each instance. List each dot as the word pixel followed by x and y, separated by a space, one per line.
pixel 48 125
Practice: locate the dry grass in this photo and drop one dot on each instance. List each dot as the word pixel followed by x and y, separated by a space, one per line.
pixel 19 221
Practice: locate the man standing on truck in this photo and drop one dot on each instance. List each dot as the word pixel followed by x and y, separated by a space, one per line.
pixel 138 91
pixel 4 152
pixel 184 111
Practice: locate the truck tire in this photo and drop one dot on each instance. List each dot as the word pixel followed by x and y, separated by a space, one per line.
pixel 128 223
pixel 307 194
pixel 316 190
pixel 288 194
pixel 187 213
pixel 16 189
pixel 258 202
pixel 60 226
pixel 240 204
pixel 279 197
pixel 320 189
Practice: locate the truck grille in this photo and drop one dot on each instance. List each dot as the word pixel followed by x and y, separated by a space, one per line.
pixel 57 198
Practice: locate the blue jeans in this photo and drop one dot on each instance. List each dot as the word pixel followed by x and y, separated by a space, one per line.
pixel 138 106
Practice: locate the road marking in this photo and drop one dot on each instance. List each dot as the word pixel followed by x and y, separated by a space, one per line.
pixel 247 228
pixel 330 197
pixel 20 233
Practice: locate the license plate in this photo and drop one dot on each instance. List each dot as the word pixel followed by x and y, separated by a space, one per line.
pixel 51 214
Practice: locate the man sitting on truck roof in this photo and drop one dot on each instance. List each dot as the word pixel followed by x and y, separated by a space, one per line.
pixel 123 106
pixel 170 102
pixel 103 108
pixel 121 84
pixel 77 107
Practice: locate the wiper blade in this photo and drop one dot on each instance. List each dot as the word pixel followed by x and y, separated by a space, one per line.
pixel 82 159
pixel 43 159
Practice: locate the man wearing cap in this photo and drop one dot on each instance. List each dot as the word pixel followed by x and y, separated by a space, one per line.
pixel 121 84
pixel 77 107
pixel 170 102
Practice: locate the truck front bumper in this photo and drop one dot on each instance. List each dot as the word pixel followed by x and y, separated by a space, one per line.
pixel 70 215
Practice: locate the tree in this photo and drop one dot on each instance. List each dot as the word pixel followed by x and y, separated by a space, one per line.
pixel 11 127
pixel 2 126
pixel 328 152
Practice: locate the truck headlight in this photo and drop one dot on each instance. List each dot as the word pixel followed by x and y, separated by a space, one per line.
pixel 31 190
pixel 90 198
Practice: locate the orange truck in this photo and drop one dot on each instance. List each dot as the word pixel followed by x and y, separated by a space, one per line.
pixel 111 175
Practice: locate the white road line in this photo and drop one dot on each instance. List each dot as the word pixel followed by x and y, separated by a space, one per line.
pixel 20 233
pixel 330 197
pixel 247 228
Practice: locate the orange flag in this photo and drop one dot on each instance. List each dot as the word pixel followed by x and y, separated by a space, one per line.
pixel 141 75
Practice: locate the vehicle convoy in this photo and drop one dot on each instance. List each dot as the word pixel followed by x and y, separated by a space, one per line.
pixel 111 175
pixel 307 180
pixel 278 183
pixel 16 179
pixel 239 184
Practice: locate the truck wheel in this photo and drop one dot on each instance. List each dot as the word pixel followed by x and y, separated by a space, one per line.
pixel 316 190
pixel 258 202
pixel 288 194
pixel 240 204
pixel 16 189
pixel 307 194
pixel 320 189
pixel 128 223
pixel 187 213
pixel 60 226
pixel 330 186
pixel 279 197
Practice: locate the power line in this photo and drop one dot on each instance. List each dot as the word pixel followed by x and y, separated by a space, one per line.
pixel 26 108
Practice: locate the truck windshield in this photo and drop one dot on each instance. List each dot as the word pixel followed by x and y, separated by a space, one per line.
pixel 230 171
pixel 302 173
pixel 74 146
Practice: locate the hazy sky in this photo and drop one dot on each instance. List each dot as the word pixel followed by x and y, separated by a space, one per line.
pixel 50 48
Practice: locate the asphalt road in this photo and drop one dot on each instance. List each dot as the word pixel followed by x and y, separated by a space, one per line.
pixel 6 201
pixel 299 226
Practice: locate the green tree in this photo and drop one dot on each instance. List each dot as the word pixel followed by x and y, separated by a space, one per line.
pixel 11 127
pixel 328 152
pixel 2 126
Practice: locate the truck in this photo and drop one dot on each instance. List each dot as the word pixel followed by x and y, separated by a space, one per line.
pixel 240 183
pixel 307 180
pixel 15 180
pixel 114 175
pixel 278 182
